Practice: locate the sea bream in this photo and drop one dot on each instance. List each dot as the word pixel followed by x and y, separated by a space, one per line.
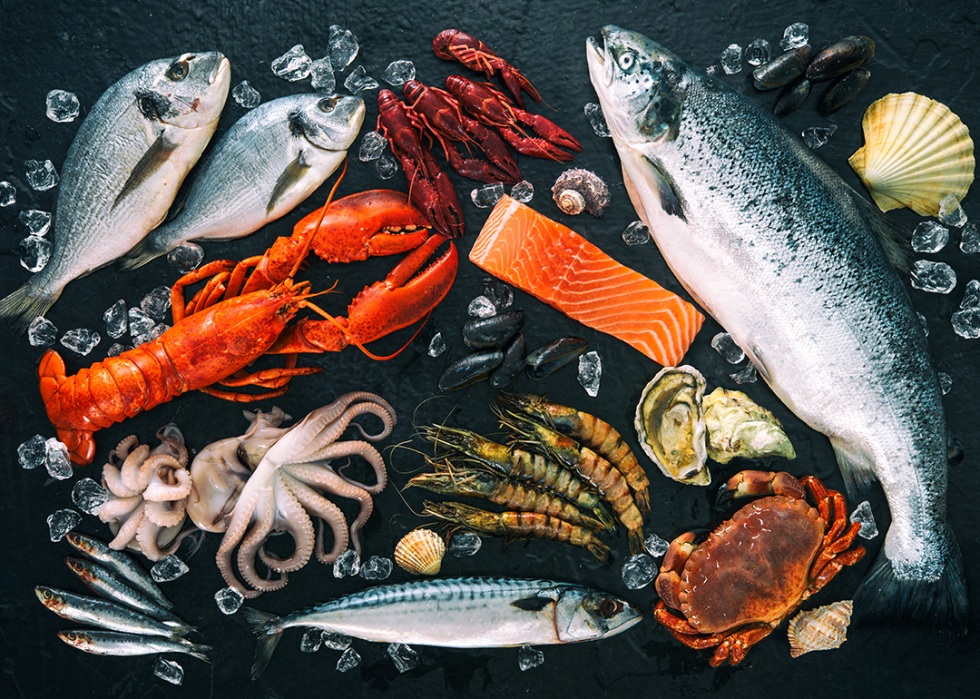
pixel 124 168
pixel 790 261
pixel 269 162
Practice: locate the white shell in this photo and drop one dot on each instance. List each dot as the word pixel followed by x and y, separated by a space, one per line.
pixel 579 190
pixel 738 426
pixel 822 628
pixel 420 552
pixel 916 152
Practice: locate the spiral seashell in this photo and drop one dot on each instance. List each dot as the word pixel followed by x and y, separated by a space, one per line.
pixel 578 190
pixel 916 152
pixel 570 201
pixel 823 628
pixel 420 552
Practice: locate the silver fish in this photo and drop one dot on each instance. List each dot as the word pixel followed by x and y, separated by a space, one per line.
pixel 120 563
pixel 787 258
pixel 124 168
pixel 269 161
pixel 458 613
pixel 126 644
pixel 101 613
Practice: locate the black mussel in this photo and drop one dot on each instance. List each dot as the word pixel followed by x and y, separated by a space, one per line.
pixel 470 369
pixel 548 359
pixel 493 331
pixel 844 90
pixel 792 97
pixel 847 54
pixel 514 353
pixel 783 69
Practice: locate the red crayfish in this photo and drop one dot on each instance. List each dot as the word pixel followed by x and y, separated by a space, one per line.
pixel 237 318
pixel 453 44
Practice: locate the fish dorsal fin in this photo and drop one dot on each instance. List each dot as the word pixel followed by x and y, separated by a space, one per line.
pixel 291 175
pixel 892 236
pixel 536 602
pixel 670 200
pixel 155 156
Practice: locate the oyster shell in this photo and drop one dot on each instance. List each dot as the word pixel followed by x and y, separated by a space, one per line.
pixel 578 190
pixel 916 152
pixel 737 426
pixel 421 552
pixel 822 628
pixel 670 424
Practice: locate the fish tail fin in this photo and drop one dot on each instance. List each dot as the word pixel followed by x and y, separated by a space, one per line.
pixel 24 305
pixel 266 627
pixel 883 597
pixel 198 650
pixel 145 251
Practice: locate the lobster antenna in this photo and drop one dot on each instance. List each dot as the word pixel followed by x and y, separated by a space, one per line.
pixel 323 212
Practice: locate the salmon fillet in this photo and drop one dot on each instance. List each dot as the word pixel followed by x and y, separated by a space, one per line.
pixel 558 266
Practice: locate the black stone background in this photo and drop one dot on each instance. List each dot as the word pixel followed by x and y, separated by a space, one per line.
pixel 928 47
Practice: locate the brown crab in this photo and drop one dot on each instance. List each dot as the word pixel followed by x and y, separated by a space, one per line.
pixel 756 568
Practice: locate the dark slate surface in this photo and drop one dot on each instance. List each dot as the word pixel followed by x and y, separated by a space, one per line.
pixel 84 47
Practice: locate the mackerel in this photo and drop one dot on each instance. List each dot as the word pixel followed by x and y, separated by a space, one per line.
pixel 795 265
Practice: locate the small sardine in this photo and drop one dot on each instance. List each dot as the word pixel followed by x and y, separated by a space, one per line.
pixel 120 563
pixel 101 613
pixel 126 644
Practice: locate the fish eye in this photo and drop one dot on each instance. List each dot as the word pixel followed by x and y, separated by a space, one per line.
pixel 178 70
pixel 626 60
pixel 47 594
pixel 72 636
pixel 610 607
pixel 328 104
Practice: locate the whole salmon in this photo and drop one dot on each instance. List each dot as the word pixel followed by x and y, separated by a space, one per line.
pixel 789 260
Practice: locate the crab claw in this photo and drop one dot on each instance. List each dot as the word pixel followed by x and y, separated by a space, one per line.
pixel 435 195
pixel 403 298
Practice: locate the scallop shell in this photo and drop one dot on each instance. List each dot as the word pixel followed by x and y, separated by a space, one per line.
pixel 822 628
pixel 670 424
pixel 916 152
pixel 420 552
pixel 738 426
pixel 578 190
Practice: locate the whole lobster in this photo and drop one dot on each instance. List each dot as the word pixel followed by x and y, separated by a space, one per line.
pixel 452 44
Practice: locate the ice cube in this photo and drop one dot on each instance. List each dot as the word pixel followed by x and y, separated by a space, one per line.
pixel 925 324
pixel 8 194
pixel 32 453
pixel 970 241
pixel 156 303
pixel 731 59
pixel 168 670
pixel 311 641
pixel 116 320
pixel 500 295
pixel 945 382
pixel 745 375
pixel 335 641
pixel 386 166
pixel 89 496
pixel 726 347
pixel 343 47
pixel 971 297
pixel 81 340
pixel 61 106
pixel 36 222
pixel 636 234
pixel 186 257
pixel 590 372
pixel 593 112
pixel 245 95
pixel 951 213
pixel 639 571
pixel 62 522
pixel 464 544
pixel 168 568
pixel 376 568
pixel 863 515
pixel 758 52
pixel 347 565
pixel 437 345
pixel 966 323
pixel 293 65
pixel 322 76
pixel 487 195
pixel 156 331
pixel 404 657
pixel 795 36
pixel 41 176
pixel 116 349
pixel 34 252
pixel 655 546
pixel 399 72
pixel 481 307
pixel 929 236
pixel 523 191
pixel 934 277
pixel 359 81
pixel 139 324
pixel 528 657
pixel 229 600
pixel 372 145
pixel 817 136
pixel 348 661
pixel 41 332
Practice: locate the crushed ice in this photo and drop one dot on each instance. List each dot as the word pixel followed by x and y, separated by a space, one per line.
pixel 335 641
pixel 168 670
pixel 724 345
pixel 156 303
pixel 481 307
pixel 41 176
pixel 386 166
pixel 437 345
pixel 499 293
pixel 655 546
pixel 966 321
pixel 523 191
pixel 636 233
pixel 817 136
pixel 758 52
pixel 347 565
pixel 32 453
pixel 293 65
pixel 62 522
pixel 528 657
pixel 140 325
pixel 41 332
pixel 929 236
pixel 186 257
pixel 945 382
pixel 311 641
pixel 322 76
pixel 36 222
pixel 863 515
pixel 951 213
pixel 639 571
pixel 593 112
pixel 731 59
pixel 970 241
pixel 745 375
pixel 404 656
pixel 116 349
pixel 399 72
pixel 934 277
pixel 348 661
pixel 372 145
pixel 359 81
pixel 376 568
pixel 167 569
pixel 343 47
pixel 116 320
pixel 590 372
pixel 795 36
pixel 229 600
pixel 487 195
pixel 464 544
pixel 245 95
pixel 61 106
pixel 34 252
pixel 8 194
pixel 81 340
pixel 89 496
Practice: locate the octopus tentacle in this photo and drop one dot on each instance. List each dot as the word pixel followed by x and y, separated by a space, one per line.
pixel 128 529
pixel 130 469
pixel 334 483
pixel 240 519
pixel 367 452
pixel 327 512
pixel 168 481
pixel 168 513
pixel 112 479
pixel 117 508
pixel 327 424
pixel 149 535
pixel 119 454
pixel 297 523
pixel 265 513
pixel 172 442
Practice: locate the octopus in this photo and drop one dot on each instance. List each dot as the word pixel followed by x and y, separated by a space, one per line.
pixel 148 493
pixel 287 490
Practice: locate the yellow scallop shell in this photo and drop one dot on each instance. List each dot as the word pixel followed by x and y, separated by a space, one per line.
pixel 915 153
pixel 420 552
pixel 822 628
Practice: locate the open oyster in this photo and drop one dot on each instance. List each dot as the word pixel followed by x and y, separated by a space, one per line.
pixel 737 426
pixel 670 424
